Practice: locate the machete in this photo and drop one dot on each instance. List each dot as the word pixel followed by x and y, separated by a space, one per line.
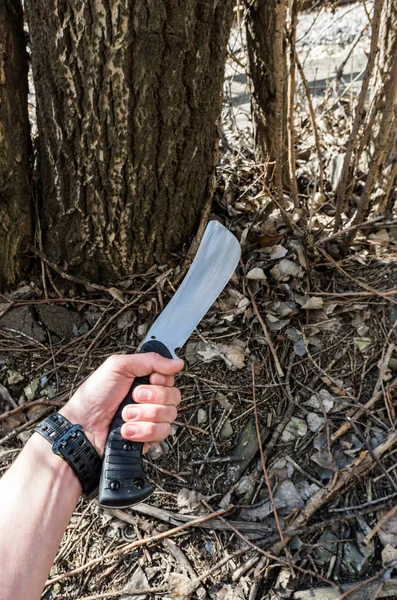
pixel 123 481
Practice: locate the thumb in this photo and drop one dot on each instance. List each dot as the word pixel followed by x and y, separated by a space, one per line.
pixel 138 365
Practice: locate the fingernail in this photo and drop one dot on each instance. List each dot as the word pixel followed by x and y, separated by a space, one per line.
pixel 161 380
pixel 131 413
pixel 143 394
pixel 129 430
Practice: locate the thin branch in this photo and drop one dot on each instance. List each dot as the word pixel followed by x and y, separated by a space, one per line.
pixel 136 544
pixel 268 485
pixel 291 103
pixel 359 116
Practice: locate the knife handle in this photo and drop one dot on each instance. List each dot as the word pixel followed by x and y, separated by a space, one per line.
pixel 123 481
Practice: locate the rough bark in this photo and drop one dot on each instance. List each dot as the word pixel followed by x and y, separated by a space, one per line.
pixel 267 76
pixel 386 58
pixel 15 216
pixel 129 99
pixel 387 38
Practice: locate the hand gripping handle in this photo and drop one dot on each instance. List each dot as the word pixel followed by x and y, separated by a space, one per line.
pixel 123 480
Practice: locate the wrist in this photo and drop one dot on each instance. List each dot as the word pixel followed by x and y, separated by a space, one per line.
pixel 54 465
pixel 76 418
pixel 68 440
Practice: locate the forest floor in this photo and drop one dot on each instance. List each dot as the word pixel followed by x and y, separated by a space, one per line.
pixel 287 425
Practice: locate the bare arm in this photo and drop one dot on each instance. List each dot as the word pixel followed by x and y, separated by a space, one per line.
pixel 39 493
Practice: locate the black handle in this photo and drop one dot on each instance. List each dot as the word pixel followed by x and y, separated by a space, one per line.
pixel 123 480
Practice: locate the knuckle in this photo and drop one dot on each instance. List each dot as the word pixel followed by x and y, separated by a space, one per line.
pixel 113 360
pixel 178 396
pixel 151 430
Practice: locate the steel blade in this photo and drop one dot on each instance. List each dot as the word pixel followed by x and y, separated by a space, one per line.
pixel 211 269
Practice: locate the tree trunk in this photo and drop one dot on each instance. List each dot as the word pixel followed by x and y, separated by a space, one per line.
pixel 15 216
pixel 129 99
pixel 387 38
pixel 268 75
pixel 387 55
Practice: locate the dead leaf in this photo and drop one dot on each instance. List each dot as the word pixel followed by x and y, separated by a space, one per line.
pixel 388 532
pixel 380 237
pixel 363 343
pixel 294 429
pixel 136 581
pixel 181 586
pixel 285 269
pixel 302 257
pixel 389 555
pixel 189 502
pixel 276 252
pixel 6 396
pixel 117 295
pixel 234 355
pixel 313 303
pixel 256 274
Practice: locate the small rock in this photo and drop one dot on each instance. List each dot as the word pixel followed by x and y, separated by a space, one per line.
pixel 61 321
pixel 326 547
pixel 389 555
pixel 22 319
pixel 49 392
pixel 295 428
pixel 322 397
pixel 202 417
pixel 226 431
pixel 31 389
pixel 354 561
pixel 14 377
pixel 300 347
pixel 314 421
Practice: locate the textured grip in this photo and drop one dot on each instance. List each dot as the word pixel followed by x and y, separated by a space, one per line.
pixel 123 481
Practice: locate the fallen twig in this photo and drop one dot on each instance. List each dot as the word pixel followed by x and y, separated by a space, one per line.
pixel 268 485
pixel 356 414
pixel 267 335
pixel 136 544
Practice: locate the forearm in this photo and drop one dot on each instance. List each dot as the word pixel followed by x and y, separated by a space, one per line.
pixel 37 497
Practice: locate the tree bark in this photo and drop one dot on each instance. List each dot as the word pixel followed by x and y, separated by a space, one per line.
pixel 387 55
pixel 268 75
pixel 129 100
pixel 387 38
pixel 15 147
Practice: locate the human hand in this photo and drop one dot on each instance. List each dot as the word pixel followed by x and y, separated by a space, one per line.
pixel 97 399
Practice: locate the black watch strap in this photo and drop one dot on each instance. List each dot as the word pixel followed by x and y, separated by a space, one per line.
pixel 70 442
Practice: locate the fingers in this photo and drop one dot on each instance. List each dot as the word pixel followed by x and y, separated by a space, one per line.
pixel 158 379
pixel 145 432
pixel 156 394
pixel 137 365
pixel 149 422
pixel 149 412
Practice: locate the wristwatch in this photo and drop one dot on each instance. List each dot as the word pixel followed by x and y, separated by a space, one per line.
pixel 70 442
